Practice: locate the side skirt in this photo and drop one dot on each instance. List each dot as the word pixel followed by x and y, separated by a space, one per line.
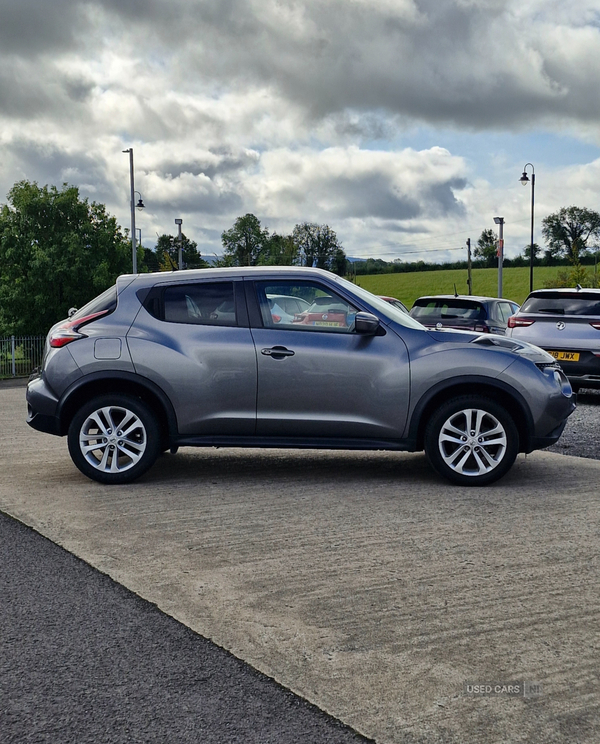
pixel 403 445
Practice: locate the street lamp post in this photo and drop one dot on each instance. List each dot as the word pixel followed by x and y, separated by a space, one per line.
pixel 525 180
pixel 139 205
pixel 500 221
pixel 179 222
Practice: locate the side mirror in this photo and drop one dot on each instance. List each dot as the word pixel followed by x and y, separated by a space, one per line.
pixel 366 324
pixel 72 311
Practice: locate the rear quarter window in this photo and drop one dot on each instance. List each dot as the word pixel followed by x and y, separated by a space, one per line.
pixel 104 303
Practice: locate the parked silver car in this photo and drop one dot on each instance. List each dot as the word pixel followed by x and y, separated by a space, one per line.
pixel 565 322
pixel 152 364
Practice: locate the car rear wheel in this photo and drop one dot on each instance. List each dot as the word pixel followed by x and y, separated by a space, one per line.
pixel 471 440
pixel 114 439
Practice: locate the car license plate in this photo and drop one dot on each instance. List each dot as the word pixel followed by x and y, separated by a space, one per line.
pixel 337 324
pixel 565 356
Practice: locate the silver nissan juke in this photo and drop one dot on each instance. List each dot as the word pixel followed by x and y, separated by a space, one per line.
pixel 210 357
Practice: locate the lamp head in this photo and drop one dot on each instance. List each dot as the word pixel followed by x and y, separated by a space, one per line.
pixel 524 179
pixel 140 205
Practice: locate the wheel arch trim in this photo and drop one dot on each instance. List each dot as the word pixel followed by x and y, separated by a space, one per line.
pixel 500 391
pixel 106 382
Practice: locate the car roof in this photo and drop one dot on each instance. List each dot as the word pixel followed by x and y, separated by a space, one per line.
pixel 187 275
pixel 476 298
pixel 569 291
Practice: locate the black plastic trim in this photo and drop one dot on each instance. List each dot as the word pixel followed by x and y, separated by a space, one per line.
pixel 292 442
pixel 468 380
pixel 43 422
pixel 129 377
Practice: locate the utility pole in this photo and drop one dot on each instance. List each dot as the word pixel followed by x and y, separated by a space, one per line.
pixel 469 280
pixel 500 221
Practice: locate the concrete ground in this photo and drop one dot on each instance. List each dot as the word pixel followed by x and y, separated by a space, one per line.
pixel 358 580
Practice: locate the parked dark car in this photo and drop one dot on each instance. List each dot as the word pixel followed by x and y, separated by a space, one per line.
pixel 199 358
pixel 566 323
pixel 466 313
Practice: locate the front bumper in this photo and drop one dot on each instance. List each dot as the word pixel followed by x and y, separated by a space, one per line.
pixel 536 443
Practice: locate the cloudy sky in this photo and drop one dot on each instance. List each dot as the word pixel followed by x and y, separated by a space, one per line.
pixel 403 124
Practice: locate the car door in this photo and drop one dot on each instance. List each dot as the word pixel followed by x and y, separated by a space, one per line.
pixel 193 341
pixel 317 377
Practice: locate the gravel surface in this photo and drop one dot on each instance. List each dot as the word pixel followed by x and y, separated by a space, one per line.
pixel 581 436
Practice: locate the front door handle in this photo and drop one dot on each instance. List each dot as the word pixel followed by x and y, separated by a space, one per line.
pixel 277 352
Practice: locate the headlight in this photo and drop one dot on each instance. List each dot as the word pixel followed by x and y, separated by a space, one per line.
pixel 556 373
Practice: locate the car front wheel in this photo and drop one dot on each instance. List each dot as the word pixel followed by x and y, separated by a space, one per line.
pixel 471 440
pixel 114 439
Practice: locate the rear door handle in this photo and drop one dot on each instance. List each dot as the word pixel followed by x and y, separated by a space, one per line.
pixel 277 352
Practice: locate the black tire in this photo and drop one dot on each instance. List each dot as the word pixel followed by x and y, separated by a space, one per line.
pixel 471 440
pixel 106 453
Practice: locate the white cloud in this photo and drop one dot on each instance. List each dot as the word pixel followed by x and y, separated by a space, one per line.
pixel 301 111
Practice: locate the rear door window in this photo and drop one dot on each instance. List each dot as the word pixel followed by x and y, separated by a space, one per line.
pixel 505 311
pixel 204 303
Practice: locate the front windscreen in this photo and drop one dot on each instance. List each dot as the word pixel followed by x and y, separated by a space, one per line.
pixel 383 307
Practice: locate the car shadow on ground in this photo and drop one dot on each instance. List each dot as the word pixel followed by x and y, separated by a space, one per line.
pixel 298 469
pixel 281 466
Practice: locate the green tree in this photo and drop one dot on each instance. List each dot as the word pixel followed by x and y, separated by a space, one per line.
pixel 577 275
pixel 56 251
pixel 318 246
pixel 279 250
pixel 245 242
pixel 486 247
pixel 167 253
pixel 149 261
pixel 537 249
pixel 569 231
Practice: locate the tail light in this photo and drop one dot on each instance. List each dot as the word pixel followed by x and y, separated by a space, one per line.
pixel 595 325
pixel 69 330
pixel 515 322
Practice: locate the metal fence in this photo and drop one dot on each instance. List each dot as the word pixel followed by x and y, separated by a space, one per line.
pixel 20 355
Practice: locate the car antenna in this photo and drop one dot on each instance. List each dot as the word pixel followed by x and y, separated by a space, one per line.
pixel 578 287
pixel 455 292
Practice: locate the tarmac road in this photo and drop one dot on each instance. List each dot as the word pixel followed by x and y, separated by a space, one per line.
pixel 358 580
pixel 85 660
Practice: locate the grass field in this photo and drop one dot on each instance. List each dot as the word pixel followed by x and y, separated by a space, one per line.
pixel 407 287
